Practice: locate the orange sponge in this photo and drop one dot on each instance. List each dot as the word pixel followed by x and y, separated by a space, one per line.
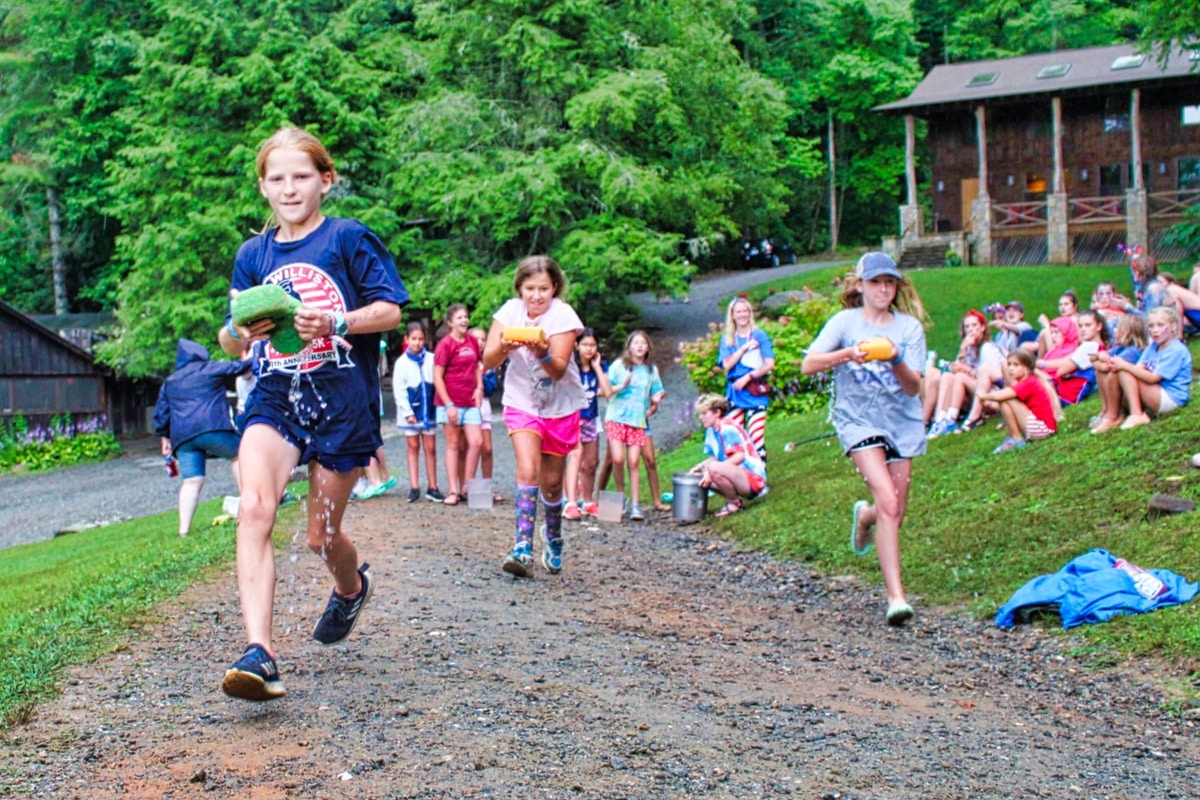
pixel 881 349
pixel 526 334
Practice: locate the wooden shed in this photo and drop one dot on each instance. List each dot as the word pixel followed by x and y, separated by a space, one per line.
pixel 43 375
pixel 1054 157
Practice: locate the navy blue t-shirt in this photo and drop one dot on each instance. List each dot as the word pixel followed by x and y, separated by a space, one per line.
pixel 341 266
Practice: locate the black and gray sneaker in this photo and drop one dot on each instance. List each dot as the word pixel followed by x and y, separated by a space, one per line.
pixel 254 676
pixel 432 493
pixel 414 495
pixel 342 612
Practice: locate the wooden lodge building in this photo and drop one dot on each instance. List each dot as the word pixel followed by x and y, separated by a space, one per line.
pixel 1032 159
pixel 43 375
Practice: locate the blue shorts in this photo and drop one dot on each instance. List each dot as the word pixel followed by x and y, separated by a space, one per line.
pixel 326 438
pixel 215 444
pixel 467 415
pixel 1193 316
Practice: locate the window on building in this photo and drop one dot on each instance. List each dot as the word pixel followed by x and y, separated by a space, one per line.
pixel 1191 115
pixel 1188 170
pixel 1112 179
pixel 1128 62
pixel 1116 114
pixel 1053 71
pixel 1035 183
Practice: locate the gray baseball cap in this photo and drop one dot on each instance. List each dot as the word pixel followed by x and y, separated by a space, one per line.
pixel 875 265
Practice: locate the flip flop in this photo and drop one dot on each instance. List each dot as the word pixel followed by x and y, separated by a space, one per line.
pixel 729 510
pixel 859 507
pixel 497 497
pixel 451 499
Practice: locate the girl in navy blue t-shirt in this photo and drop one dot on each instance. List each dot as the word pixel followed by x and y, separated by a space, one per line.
pixel 318 407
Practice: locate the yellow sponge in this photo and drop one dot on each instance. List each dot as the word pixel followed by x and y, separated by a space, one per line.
pixel 880 349
pixel 526 334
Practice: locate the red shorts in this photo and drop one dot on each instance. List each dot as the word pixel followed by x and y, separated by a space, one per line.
pixel 625 434
pixel 559 435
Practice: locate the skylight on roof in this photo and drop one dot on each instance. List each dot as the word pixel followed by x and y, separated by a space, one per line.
pixel 984 79
pixel 1054 71
pixel 1129 62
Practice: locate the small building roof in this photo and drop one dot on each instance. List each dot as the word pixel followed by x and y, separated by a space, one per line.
pixel 1058 72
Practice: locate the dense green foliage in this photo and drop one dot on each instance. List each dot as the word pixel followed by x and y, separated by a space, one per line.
pixel 61 444
pixel 634 141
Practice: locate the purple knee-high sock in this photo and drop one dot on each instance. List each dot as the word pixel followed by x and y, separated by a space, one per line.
pixel 526 516
pixel 553 518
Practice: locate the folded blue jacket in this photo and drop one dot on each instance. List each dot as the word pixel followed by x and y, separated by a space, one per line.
pixel 1096 587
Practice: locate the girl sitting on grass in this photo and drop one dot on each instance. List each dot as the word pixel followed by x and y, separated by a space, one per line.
pixel 1158 383
pixel 1071 373
pixel 1027 403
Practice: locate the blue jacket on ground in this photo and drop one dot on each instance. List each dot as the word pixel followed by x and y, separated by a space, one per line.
pixel 192 399
pixel 1096 587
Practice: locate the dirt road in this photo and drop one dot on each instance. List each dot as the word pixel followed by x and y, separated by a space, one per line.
pixel 662 663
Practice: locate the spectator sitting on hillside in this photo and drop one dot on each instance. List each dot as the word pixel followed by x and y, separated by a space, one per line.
pixel 1012 331
pixel 955 388
pixel 1070 368
pixel 1186 302
pixel 1158 383
pixel 1106 300
pixel 1068 306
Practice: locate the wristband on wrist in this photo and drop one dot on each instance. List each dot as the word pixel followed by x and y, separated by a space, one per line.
pixel 232 331
pixel 900 349
pixel 549 357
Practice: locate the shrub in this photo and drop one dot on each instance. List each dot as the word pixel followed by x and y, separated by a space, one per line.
pixel 791 333
pixel 62 443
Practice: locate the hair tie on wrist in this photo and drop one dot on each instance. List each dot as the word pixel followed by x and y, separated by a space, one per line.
pixel 549 357
pixel 900 350
pixel 232 332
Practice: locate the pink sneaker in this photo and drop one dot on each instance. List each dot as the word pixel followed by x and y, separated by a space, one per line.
pixel 593 509
pixel 571 511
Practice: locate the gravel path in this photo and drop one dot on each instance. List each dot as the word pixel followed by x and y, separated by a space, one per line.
pixel 664 662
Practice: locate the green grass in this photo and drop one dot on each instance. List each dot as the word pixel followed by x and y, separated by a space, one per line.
pixel 67 600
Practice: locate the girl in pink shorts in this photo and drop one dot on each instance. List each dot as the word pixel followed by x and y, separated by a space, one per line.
pixel 542 398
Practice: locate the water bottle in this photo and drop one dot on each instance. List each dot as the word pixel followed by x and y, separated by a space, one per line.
pixel 172 466
pixel 931 361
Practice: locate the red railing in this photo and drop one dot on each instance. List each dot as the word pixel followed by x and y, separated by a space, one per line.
pixel 1019 215
pixel 1096 209
pixel 1171 204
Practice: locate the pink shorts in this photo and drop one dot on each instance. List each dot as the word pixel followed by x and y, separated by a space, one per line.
pixel 559 435
pixel 625 434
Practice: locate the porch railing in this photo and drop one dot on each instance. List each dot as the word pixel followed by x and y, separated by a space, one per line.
pixel 1163 205
pixel 1110 208
pixel 1019 215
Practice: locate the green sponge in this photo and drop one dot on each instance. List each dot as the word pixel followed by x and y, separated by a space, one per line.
pixel 269 301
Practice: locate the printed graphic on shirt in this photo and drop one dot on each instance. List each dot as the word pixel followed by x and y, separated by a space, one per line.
pixel 313 287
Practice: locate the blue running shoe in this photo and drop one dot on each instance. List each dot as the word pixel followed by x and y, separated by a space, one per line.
pixel 254 676
pixel 342 612
pixel 552 552
pixel 519 562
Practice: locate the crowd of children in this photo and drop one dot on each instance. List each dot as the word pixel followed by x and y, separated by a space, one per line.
pixel 1126 350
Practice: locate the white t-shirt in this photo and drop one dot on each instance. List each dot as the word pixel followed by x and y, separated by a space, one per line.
pixel 527 387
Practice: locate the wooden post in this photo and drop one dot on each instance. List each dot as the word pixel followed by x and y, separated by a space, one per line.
pixel 1060 184
pixel 981 143
pixel 1135 139
pixel 910 157
pixel 833 216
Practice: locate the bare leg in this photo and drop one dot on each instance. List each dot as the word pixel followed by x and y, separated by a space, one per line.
pixel 616 464
pixel 413 458
pixel 652 476
pixel 328 493
pixel 587 470
pixel 267 461
pixel 571 474
pixel 454 442
pixel 429 443
pixel 889 485
pixel 474 436
pixel 189 498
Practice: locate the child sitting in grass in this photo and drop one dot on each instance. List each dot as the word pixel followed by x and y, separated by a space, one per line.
pixel 1158 383
pixel 1028 403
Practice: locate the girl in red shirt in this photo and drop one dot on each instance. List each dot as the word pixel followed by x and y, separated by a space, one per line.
pixel 1028 403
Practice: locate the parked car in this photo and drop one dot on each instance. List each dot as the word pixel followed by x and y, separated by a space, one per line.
pixel 769 252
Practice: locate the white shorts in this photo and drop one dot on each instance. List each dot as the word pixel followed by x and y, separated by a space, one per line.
pixel 1165 404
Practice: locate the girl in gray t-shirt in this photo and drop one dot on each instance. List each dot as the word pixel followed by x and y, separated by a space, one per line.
pixel 877 404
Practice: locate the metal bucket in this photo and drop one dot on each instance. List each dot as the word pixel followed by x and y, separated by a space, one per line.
pixel 691 501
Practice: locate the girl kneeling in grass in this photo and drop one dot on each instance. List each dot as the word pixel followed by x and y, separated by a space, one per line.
pixel 1028 403
pixel 877 404
pixel 733 468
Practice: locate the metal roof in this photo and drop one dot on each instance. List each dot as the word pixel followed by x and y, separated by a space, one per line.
pixel 950 84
